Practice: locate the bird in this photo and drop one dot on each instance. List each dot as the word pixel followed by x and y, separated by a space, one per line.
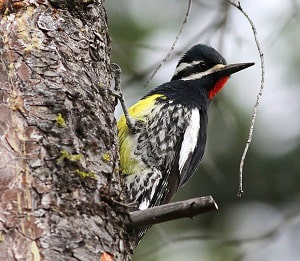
pixel 162 137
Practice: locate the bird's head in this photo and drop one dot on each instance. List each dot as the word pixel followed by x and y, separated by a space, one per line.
pixel 204 61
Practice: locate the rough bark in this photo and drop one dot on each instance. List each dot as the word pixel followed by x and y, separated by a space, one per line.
pixel 59 195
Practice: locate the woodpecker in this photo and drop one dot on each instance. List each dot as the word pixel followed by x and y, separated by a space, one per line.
pixel 162 137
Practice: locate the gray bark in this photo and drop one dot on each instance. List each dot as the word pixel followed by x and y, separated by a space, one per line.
pixel 60 196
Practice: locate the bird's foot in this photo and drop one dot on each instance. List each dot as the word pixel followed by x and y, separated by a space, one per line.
pixel 131 122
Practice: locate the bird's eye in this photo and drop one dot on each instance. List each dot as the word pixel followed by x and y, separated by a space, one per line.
pixel 202 66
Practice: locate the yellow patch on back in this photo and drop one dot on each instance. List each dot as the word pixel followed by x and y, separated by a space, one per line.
pixel 127 140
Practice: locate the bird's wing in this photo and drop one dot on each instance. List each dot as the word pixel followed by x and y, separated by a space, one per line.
pixel 183 152
pixel 161 141
pixel 188 150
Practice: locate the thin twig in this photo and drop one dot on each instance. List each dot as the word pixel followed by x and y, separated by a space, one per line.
pixel 258 97
pixel 171 211
pixel 174 43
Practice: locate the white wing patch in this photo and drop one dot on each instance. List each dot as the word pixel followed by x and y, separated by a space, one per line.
pixel 190 138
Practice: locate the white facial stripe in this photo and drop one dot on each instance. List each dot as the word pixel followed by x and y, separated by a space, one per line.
pixel 199 75
pixel 183 66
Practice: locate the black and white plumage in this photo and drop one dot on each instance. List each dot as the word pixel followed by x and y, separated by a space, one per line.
pixel 168 140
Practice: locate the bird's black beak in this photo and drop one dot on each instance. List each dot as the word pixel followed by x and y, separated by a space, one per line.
pixel 227 70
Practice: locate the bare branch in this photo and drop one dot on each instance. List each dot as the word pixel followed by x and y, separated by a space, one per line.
pixel 171 211
pixel 258 97
pixel 174 43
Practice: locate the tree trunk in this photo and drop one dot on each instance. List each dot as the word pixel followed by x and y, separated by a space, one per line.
pixel 60 197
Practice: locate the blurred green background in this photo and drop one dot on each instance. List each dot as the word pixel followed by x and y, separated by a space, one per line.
pixel 265 223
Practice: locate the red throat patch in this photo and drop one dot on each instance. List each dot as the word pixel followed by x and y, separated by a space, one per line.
pixel 218 86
